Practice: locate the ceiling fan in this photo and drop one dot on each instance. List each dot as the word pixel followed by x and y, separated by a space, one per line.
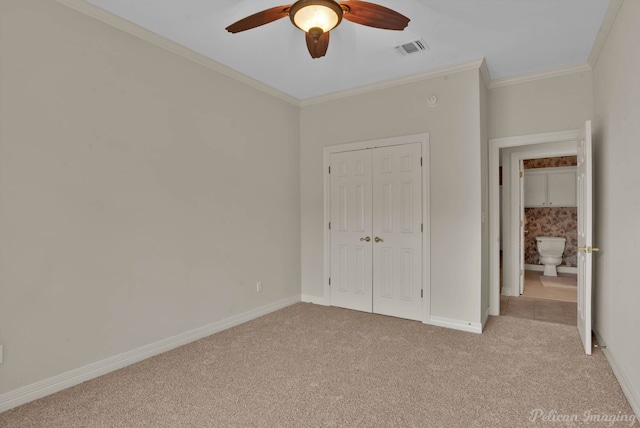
pixel 317 17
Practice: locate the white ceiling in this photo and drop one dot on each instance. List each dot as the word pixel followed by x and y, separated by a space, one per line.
pixel 515 37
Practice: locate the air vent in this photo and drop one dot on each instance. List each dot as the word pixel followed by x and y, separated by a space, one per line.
pixel 412 48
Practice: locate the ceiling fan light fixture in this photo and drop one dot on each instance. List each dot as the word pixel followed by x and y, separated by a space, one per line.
pixel 316 14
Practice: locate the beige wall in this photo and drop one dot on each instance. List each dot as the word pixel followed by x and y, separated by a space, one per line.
pixel 484 182
pixel 142 195
pixel 545 105
pixel 455 175
pixel 617 230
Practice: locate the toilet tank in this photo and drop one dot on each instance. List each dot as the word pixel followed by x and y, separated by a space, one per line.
pixel 550 245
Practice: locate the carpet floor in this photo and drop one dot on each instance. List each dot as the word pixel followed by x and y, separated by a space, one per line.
pixel 315 366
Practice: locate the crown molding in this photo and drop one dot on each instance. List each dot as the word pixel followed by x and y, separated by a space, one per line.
pixel 539 75
pixel 603 33
pixel 485 73
pixel 135 30
pixel 115 21
pixel 439 72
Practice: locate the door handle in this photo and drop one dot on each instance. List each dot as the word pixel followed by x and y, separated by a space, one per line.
pixel 589 250
pixel 365 239
pixel 378 239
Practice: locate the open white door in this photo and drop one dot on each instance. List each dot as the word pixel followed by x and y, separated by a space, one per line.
pixel 522 226
pixel 585 235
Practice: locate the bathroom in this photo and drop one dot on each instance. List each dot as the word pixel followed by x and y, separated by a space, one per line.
pixel 547 218
pixel 545 211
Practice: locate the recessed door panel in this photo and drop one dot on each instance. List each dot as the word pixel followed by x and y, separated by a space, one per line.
pixel 386 272
pixel 408 222
pixel 361 208
pixel 341 208
pixel 386 202
pixel 406 274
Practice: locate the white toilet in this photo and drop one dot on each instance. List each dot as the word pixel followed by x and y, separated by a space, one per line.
pixel 550 249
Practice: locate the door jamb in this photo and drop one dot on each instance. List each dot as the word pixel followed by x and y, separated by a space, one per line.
pixel 495 144
pixel 423 139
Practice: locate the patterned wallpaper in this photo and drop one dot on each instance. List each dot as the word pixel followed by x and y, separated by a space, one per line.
pixel 551 162
pixel 561 222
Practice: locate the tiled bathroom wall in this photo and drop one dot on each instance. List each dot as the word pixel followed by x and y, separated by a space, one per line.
pixel 561 222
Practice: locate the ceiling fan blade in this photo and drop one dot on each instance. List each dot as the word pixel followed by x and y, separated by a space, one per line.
pixel 318 47
pixel 374 15
pixel 260 18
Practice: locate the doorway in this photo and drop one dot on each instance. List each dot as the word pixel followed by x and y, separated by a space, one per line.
pixel 580 140
pixel 549 209
pixel 543 204
pixel 376 240
pixel 529 146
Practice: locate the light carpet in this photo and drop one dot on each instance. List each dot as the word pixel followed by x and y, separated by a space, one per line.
pixel 315 366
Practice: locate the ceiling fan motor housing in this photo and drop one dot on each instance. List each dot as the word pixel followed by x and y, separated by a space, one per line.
pixel 315 16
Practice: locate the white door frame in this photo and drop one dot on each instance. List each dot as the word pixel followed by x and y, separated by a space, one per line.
pixel 495 144
pixel 521 226
pixel 423 139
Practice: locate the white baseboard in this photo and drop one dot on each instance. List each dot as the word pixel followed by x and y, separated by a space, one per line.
pixel 456 324
pixel 313 299
pixel 561 269
pixel 632 395
pixel 74 377
pixel 485 316
pixel 508 291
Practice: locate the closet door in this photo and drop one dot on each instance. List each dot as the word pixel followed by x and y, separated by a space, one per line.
pixel 397 231
pixel 351 226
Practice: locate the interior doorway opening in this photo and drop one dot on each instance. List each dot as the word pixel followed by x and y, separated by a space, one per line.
pixel 545 192
pixel 504 272
pixel 549 242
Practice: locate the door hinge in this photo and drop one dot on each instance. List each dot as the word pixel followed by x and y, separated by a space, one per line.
pixel 421 293
pixel 521 175
pixel 420 161
pixel 329 281
pixel 329 170
pixel 422 227
pixel 329 225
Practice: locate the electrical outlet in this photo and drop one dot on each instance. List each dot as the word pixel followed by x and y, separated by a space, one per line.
pixel 258 286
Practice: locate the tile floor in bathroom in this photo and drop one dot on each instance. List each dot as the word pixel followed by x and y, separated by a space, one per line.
pixel 554 311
